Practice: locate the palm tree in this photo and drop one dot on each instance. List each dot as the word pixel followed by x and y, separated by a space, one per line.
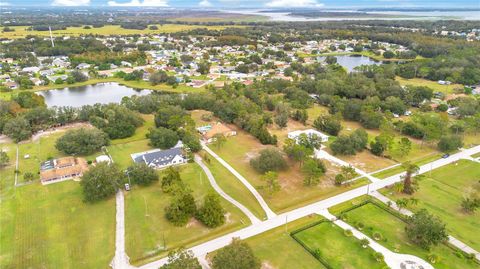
pixel 410 170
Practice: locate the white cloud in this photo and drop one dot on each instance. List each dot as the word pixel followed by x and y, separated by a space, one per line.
pixel 71 2
pixel 140 3
pixel 294 3
pixel 205 3
pixel 4 4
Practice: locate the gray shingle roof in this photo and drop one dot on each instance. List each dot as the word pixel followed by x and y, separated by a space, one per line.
pixel 158 158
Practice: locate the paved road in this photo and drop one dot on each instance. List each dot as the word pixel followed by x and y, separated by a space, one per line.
pixel 211 178
pixel 279 220
pixel 263 204
pixel 120 260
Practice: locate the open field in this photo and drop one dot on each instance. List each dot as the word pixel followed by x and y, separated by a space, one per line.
pixel 7 173
pixel 51 227
pixel 441 192
pixel 394 238
pixel 240 149
pixel 398 169
pixel 277 249
pixel 329 240
pixel 148 232
pixel 446 89
pixel 107 30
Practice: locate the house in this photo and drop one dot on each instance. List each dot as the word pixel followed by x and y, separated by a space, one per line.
pixel 62 169
pixel 11 85
pixel 208 131
pixel 159 158
pixel 103 158
pixel 309 133
pixel 83 66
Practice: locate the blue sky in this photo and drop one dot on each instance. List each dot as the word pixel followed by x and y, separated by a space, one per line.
pixel 250 3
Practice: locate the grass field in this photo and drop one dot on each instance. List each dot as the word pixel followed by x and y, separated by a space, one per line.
pixel 233 187
pixel 394 238
pixel 277 249
pixel 238 151
pixel 51 227
pixel 441 193
pixel 446 89
pixel 398 169
pixel 330 241
pixel 147 229
pixel 107 30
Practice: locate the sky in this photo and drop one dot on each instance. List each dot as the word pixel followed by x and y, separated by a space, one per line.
pixel 250 3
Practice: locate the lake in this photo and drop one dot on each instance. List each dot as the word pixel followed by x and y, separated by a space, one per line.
pixel 352 61
pixel 103 93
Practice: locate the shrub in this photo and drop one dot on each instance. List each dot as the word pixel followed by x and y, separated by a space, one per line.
pixel 348 232
pixel 377 236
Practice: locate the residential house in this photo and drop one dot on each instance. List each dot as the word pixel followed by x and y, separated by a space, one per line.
pixel 62 169
pixel 159 158
pixel 309 133
pixel 208 132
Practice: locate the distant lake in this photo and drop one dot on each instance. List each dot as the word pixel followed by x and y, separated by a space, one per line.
pixel 102 93
pixel 352 61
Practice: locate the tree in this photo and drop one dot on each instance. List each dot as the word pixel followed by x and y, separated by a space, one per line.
pixel 158 77
pixel 100 182
pixel 300 115
pixel 78 76
pixel 163 138
pixel 82 141
pixel 388 54
pixel 281 120
pixel 212 214
pixel 377 147
pixel 270 159
pixel 4 159
pixel 271 179
pixel 28 176
pixel 29 99
pixel 450 143
pixel 18 129
pixel 329 124
pixel 470 205
pixel 181 259
pixel 347 173
pixel 219 140
pixel 313 169
pixel 350 144
pixel 171 181
pixel 404 146
pixel 237 255
pixel 408 183
pixel 425 229
pixel 141 174
pixel 191 141
pixel 297 151
pixel 203 67
pixel 181 208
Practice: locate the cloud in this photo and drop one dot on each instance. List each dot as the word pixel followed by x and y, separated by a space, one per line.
pixel 294 3
pixel 70 3
pixel 140 3
pixel 205 3
pixel 4 4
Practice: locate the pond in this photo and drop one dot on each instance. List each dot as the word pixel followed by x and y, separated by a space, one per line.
pixel 102 93
pixel 352 61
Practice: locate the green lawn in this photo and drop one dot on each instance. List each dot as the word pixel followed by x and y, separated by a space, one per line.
pixel 51 227
pixel 399 169
pixel 7 173
pixel 330 241
pixel 391 228
pixel 233 187
pixel 147 229
pixel 446 89
pixel 121 152
pixel 441 193
pixel 277 249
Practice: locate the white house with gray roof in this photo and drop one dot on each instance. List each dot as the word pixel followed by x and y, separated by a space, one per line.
pixel 158 158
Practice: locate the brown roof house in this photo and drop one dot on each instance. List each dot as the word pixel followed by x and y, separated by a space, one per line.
pixel 62 169
pixel 209 131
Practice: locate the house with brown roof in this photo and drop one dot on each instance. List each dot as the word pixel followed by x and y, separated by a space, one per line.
pixel 209 131
pixel 62 169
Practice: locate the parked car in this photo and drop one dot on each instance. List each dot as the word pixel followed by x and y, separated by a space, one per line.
pixel 446 156
pixel 127 186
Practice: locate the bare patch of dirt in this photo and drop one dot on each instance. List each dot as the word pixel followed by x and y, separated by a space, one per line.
pixel 267 265
pixel 193 223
